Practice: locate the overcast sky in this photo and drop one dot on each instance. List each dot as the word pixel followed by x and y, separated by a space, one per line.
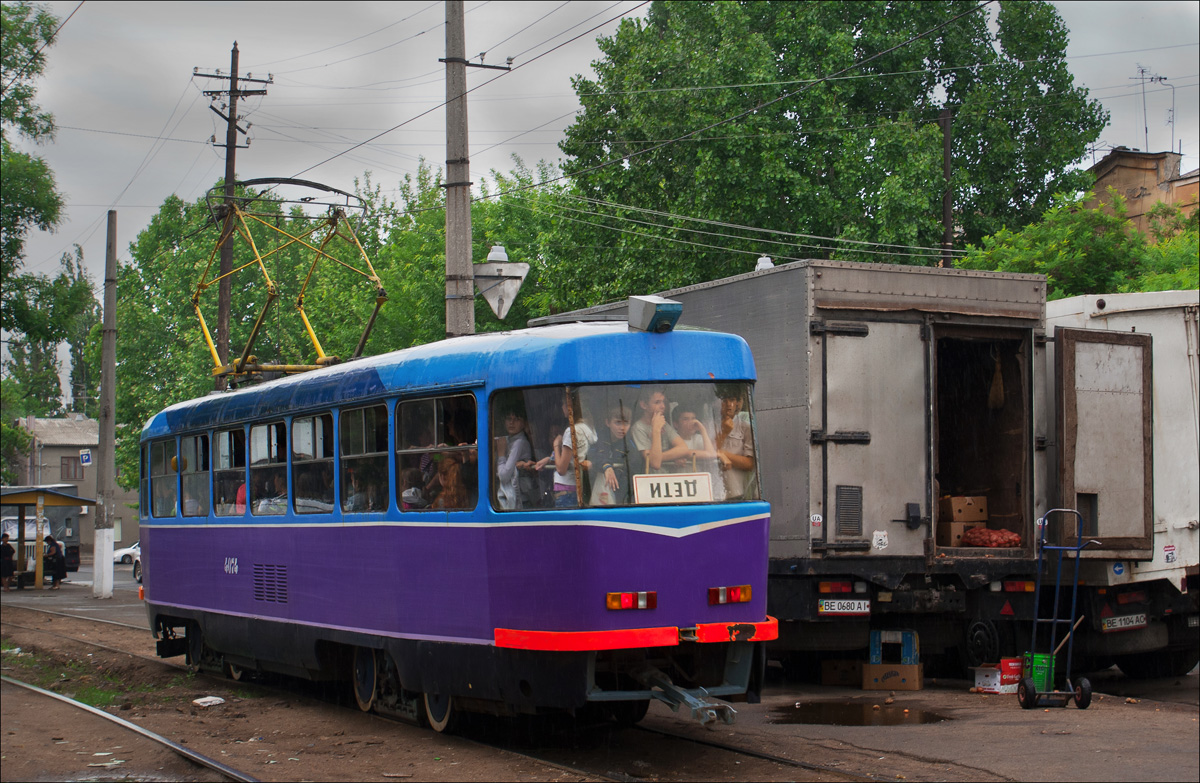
pixel 134 125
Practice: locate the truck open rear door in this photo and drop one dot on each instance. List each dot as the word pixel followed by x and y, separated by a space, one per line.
pixel 1103 390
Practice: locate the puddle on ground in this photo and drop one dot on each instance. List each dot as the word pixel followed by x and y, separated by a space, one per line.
pixel 841 713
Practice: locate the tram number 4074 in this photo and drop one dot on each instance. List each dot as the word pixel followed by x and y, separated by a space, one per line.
pixel 231 566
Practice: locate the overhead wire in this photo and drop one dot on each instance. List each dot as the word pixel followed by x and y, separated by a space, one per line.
pixel 383 48
pixel 523 29
pixel 470 90
pixel 32 57
pixel 740 227
pixel 930 252
pixel 945 69
pixel 153 150
pixel 723 248
pixel 352 40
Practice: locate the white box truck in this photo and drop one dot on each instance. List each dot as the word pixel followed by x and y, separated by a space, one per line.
pixel 1142 592
pixel 899 407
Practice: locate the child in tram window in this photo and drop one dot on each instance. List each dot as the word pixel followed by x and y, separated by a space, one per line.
pixel 511 448
pixel 691 429
pixel 610 460
pixel 565 452
pixel 411 496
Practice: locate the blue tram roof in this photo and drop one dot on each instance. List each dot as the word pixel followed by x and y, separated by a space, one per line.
pixel 560 354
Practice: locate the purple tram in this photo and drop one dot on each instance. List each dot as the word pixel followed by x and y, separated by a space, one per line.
pixel 420 525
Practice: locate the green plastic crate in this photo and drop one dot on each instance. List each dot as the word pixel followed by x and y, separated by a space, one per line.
pixel 1041 669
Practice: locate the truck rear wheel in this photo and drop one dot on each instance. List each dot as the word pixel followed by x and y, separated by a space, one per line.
pixel 1160 663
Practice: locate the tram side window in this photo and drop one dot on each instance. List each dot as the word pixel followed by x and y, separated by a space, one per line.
pixel 193 468
pixel 144 468
pixel 268 469
pixel 312 464
pixel 163 487
pixel 229 478
pixel 437 455
pixel 364 448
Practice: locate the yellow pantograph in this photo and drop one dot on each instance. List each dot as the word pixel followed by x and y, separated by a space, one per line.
pixel 235 217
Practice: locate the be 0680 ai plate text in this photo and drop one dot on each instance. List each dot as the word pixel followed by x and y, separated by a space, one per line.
pixel 843 606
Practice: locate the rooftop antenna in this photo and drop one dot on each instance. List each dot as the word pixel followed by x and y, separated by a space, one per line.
pixel 1143 75
pixel 1170 117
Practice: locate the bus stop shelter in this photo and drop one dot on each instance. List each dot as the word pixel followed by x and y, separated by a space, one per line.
pixel 37 498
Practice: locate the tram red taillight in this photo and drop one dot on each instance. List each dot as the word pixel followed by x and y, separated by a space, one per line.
pixel 739 594
pixel 835 587
pixel 647 599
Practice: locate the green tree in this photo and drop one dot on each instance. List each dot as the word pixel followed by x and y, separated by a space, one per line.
pixel 27 30
pixel 14 438
pixel 1080 250
pixel 85 369
pixel 1172 263
pixel 29 198
pixel 32 369
pixel 855 157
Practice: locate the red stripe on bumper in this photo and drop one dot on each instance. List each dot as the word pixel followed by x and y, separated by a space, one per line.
pixel 587 640
pixel 574 641
pixel 738 632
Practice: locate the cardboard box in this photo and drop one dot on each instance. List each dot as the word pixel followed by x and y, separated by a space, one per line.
pixel 998 677
pixel 841 672
pixel 963 509
pixel 893 677
pixel 951 533
pixel 907 649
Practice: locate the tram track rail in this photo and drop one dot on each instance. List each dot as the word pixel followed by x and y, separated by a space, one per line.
pixel 227 772
pixel 600 768
pixel 783 760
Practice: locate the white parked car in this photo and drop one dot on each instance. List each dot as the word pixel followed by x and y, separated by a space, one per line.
pixel 137 567
pixel 128 554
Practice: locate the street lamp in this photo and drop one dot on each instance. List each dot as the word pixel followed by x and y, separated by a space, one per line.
pixel 498 280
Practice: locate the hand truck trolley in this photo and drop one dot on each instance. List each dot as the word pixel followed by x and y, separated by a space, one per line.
pixel 1036 688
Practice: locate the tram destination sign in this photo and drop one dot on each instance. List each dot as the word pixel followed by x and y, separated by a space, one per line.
pixel 672 488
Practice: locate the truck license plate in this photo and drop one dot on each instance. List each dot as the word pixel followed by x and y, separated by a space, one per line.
pixel 843 606
pixel 1123 622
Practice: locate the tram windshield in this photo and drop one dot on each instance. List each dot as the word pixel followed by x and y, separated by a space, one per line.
pixel 643 444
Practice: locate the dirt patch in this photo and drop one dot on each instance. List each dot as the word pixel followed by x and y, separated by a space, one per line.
pixel 254 729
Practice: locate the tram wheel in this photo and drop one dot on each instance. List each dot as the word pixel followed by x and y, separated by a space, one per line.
pixel 440 712
pixel 365 680
pixel 1083 693
pixel 195 647
pixel 1027 693
pixel 233 672
pixel 629 713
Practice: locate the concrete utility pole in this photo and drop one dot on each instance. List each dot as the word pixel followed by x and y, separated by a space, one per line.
pixel 106 463
pixel 224 287
pixel 460 282
pixel 947 195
